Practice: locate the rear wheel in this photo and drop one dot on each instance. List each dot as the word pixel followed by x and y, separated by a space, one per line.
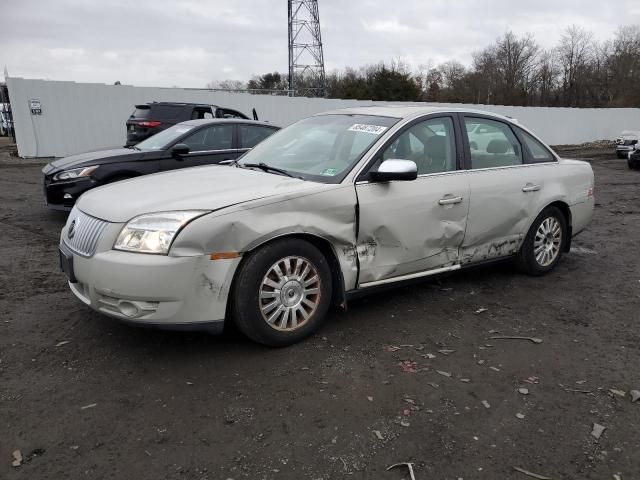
pixel 621 155
pixel 282 292
pixel 543 246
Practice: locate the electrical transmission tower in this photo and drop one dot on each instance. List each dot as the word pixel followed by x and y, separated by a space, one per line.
pixel 306 60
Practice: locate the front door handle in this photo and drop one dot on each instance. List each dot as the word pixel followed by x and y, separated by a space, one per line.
pixel 449 200
pixel 530 187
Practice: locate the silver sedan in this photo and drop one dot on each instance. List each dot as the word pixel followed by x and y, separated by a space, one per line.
pixel 332 206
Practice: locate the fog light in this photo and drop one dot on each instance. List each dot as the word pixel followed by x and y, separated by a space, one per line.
pixel 128 309
pixel 67 196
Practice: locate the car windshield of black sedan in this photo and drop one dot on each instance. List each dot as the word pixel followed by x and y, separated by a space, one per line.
pixel 163 139
pixel 323 148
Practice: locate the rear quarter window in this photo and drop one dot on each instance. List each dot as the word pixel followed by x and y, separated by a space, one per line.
pixel 167 112
pixel 141 112
pixel 538 152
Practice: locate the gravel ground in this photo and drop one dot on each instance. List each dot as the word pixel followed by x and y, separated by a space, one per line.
pixel 410 375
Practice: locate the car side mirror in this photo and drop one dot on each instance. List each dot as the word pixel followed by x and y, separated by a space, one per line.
pixel 179 149
pixel 395 169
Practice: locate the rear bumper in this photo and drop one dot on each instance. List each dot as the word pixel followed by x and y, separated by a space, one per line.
pixel 155 290
pixel 581 215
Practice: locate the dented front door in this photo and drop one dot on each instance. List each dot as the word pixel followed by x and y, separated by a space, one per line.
pixel 411 226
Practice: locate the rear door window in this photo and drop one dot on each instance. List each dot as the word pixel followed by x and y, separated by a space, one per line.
pixel 492 144
pixel 215 137
pixel 228 113
pixel 201 113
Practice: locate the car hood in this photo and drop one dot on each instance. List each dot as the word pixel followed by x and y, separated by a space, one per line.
pixel 630 135
pixel 91 158
pixel 198 188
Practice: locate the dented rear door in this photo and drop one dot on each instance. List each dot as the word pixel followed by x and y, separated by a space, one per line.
pixel 506 193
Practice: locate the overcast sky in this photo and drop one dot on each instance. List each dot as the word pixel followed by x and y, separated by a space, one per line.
pixel 189 43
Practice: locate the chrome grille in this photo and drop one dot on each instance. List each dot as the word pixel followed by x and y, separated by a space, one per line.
pixel 82 232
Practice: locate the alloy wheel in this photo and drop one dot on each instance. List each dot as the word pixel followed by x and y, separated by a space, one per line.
pixel 289 293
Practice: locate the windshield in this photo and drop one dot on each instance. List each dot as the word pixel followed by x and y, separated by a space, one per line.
pixel 163 139
pixel 322 148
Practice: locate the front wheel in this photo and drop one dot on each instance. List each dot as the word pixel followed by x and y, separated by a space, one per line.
pixel 282 292
pixel 543 246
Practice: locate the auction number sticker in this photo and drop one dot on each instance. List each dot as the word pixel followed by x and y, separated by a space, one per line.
pixel 361 127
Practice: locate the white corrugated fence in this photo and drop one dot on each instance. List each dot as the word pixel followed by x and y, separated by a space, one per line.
pixel 81 117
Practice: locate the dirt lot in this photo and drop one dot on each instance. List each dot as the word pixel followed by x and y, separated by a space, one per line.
pixel 124 403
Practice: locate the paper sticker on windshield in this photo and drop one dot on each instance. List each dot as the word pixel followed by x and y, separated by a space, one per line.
pixel 330 172
pixel 361 127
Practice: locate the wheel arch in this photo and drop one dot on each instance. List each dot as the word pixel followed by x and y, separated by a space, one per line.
pixel 566 211
pixel 338 294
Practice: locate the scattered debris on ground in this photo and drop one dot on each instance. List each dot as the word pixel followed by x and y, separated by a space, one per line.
pixel 17 458
pixel 506 337
pixel 597 430
pixel 404 464
pixel 531 474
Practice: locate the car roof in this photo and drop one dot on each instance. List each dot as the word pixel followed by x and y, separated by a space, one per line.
pixel 407 111
pixel 175 104
pixel 207 121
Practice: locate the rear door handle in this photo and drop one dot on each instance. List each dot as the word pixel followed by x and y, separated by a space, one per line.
pixel 449 200
pixel 529 187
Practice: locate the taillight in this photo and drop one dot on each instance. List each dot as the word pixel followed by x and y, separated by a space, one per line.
pixel 149 123
pixel 590 192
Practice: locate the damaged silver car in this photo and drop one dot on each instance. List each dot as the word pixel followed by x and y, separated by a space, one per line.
pixel 335 205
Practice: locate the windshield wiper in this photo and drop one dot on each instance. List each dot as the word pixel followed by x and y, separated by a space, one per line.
pixel 133 147
pixel 268 168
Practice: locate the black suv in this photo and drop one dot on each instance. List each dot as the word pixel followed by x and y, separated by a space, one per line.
pixel 151 118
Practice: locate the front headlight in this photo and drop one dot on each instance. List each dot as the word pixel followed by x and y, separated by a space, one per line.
pixel 74 173
pixel 154 232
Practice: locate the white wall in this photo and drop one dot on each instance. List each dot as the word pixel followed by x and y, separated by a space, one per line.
pixel 80 117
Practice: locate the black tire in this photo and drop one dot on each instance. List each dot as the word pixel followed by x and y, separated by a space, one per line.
pixel 247 300
pixel 526 260
pixel 621 155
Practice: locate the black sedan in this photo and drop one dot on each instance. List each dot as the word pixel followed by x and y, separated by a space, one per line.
pixel 633 160
pixel 187 144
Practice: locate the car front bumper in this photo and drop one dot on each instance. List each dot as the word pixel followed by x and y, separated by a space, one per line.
pixel 155 290
pixel 625 148
pixel 63 195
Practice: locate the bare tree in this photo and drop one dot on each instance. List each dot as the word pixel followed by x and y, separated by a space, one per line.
pixel 226 85
pixel 624 66
pixel 574 54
